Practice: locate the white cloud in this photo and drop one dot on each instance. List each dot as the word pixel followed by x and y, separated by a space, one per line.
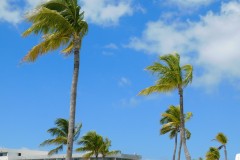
pixel 33 3
pixel 131 102
pixel 12 13
pixel 214 40
pixel 106 12
pixel 135 101
pixel 124 82
pixel 189 3
pixel 111 46
pixel 9 12
pixel 100 12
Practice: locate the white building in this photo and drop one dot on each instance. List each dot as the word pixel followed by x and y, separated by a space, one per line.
pixel 25 154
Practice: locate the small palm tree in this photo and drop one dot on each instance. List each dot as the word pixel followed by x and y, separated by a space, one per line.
pixel 222 139
pixel 171 124
pixel 213 154
pixel 60 133
pixel 91 143
pixel 105 148
pixel 61 22
pixel 94 144
pixel 172 76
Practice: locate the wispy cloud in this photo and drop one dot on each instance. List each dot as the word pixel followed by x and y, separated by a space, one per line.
pixel 135 101
pixel 189 3
pixel 124 81
pixel 10 12
pixel 106 12
pixel 100 12
pixel 212 43
pixel 111 46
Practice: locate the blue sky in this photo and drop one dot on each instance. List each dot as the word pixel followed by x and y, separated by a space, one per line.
pixel 124 37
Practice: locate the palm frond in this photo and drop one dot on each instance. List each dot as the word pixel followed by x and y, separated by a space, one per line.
pixel 165 129
pixel 51 42
pixel 56 150
pixel 221 138
pixel 188 134
pixel 188 116
pixel 88 155
pixel 212 154
pixel 188 74
pixel 47 21
pixel 77 130
pixel 173 133
pixel 157 88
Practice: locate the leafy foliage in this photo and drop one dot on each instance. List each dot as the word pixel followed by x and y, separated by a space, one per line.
pixel 94 144
pixel 212 154
pixel 60 22
pixel 170 74
pixel 171 121
pixel 221 138
pixel 60 133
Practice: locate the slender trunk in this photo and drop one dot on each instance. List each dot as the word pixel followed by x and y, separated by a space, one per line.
pixel 225 151
pixel 73 99
pixel 175 147
pixel 180 149
pixel 182 127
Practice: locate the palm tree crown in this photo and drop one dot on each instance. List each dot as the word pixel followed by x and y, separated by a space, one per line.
pixel 94 145
pixel 221 138
pixel 212 154
pixel 170 74
pixel 61 23
pixel 171 121
pixel 91 143
pixel 60 134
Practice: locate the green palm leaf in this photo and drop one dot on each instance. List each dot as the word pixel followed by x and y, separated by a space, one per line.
pixel 60 134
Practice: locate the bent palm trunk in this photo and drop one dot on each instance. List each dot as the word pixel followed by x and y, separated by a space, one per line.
pixel 225 152
pixel 175 147
pixel 180 149
pixel 73 99
pixel 182 127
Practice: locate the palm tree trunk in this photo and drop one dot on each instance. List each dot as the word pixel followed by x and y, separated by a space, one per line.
pixel 180 149
pixel 73 99
pixel 182 127
pixel 175 147
pixel 225 151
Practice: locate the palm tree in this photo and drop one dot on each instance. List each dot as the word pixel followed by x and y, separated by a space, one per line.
pixel 222 139
pixel 171 124
pixel 172 76
pixel 91 143
pixel 105 149
pixel 60 133
pixel 213 154
pixel 61 23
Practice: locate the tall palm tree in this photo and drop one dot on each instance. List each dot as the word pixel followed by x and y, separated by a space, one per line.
pixel 213 154
pixel 172 76
pixel 105 148
pixel 61 23
pixel 171 124
pixel 60 134
pixel 90 143
pixel 222 139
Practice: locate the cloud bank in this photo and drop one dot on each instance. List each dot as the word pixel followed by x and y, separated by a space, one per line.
pixel 212 43
pixel 100 12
